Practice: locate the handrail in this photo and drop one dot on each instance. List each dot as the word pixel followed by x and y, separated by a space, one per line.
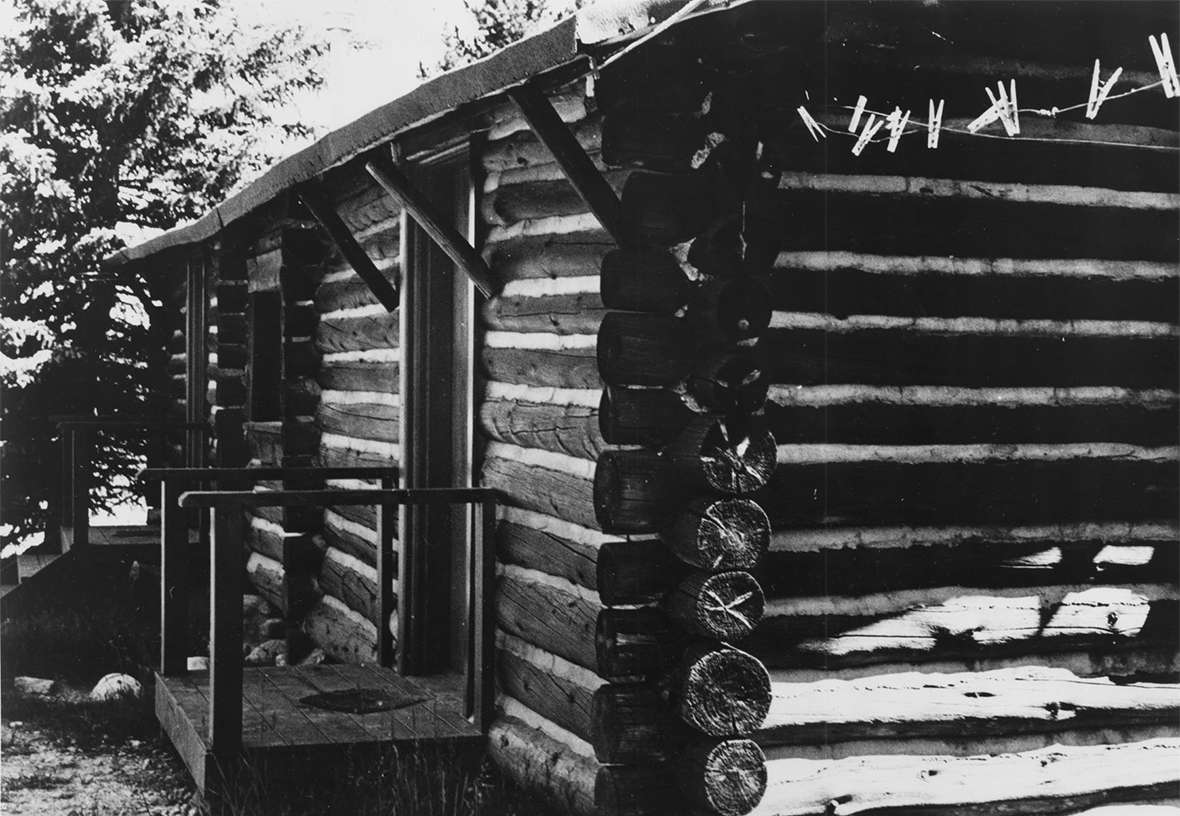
pixel 225 583
pixel 213 474
pixel 174 550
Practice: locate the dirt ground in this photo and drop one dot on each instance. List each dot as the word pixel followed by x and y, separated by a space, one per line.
pixel 54 760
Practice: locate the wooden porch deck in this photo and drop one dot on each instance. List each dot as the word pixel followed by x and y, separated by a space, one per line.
pixel 279 723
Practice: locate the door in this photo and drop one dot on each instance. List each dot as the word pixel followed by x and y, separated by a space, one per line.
pixel 437 426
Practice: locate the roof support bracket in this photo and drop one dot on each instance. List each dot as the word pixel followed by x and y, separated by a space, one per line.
pixel 323 212
pixel 448 239
pixel 577 166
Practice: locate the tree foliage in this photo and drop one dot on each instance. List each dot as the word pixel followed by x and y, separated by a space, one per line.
pixel 118 119
pixel 497 23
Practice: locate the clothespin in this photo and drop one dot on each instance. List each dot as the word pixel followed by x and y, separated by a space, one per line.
pixel 1162 50
pixel 1099 91
pixel 897 123
pixel 813 127
pixel 984 119
pixel 870 130
pixel 1005 108
pixel 934 124
pixel 856 114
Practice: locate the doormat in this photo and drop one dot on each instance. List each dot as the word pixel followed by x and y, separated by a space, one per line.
pixel 361 700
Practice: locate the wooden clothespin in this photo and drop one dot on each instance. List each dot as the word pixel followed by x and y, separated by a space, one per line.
pixel 1005 107
pixel 1099 91
pixel 897 122
pixel 1162 50
pixel 857 113
pixel 934 124
pixel 870 130
pixel 813 126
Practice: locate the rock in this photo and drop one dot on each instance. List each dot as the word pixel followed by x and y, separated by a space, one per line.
pixel 313 658
pixel 264 653
pixel 273 628
pixel 256 605
pixel 198 663
pixel 34 685
pixel 281 659
pixel 116 686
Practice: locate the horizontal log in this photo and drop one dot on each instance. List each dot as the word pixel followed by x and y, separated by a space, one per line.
pixel 730 382
pixel 966 556
pixel 542 191
pixel 335 456
pixel 523 149
pixel 644 280
pixel 1060 491
pixel 1059 778
pixel 721 691
pixel 358 375
pixel 963 707
pixel 540 764
pixel 548 254
pixel 565 368
pixel 642 416
pixel 644 349
pixel 356 330
pixel 368 210
pixel 359 419
pixel 265 442
pixel 727 777
pixel 623 572
pixel 569 429
pixel 724 605
pixel 343 289
pixel 944 415
pixel 845 283
pixel 350 580
pixel 302 395
pixel 550 491
pixel 720 534
pixel 955 623
pixel 342 632
pixel 636 643
pixel 352 535
pixel 634 491
pixel 577 313
pixel 901 356
pixel 903 225
pixel 544 614
pixel 624 723
pixel 268 577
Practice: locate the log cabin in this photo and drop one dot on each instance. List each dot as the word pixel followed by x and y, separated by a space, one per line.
pixel 837 460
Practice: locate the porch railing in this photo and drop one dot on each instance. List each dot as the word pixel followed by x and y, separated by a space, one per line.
pixel 175 525
pixel 77 466
pixel 226 510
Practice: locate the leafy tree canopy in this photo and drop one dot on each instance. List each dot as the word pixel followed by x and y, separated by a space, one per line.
pixel 116 119
pixel 497 23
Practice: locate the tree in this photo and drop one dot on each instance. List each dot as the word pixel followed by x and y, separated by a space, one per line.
pixel 497 23
pixel 119 119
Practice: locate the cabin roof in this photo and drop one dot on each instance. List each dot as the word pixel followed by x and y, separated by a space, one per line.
pixel 595 29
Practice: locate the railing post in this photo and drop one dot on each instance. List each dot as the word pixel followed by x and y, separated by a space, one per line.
pixel 66 508
pixel 386 527
pixel 225 632
pixel 482 609
pixel 174 557
pixel 83 446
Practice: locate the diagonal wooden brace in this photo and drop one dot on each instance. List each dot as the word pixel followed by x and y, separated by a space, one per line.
pixel 448 239
pixel 572 159
pixel 323 212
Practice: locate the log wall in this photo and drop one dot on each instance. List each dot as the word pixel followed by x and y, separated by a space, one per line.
pixel 355 412
pixel 967 370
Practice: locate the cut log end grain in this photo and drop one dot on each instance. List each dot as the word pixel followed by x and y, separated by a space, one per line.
pixel 723 457
pixel 633 491
pixel 720 534
pixel 727 777
pixel 725 605
pixel 644 349
pixel 731 311
pixel 721 691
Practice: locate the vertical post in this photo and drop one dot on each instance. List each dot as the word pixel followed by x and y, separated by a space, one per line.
pixel 66 509
pixel 173 580
pixel 483 612
pixel 225 633
pixel 81 448
pixel 386 526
